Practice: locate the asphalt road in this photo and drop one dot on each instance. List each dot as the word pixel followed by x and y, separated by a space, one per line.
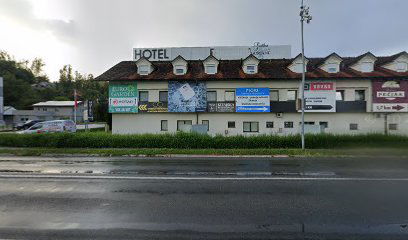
pixel 203 198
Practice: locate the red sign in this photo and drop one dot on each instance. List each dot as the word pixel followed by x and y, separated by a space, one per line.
pixel 321 86
pixel 390 91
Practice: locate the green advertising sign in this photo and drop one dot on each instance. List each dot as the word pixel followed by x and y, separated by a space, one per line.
pixel 123 98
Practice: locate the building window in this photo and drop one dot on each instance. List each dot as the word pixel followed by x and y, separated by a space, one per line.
pixel 291 95
pixel 366 67
pixel 183 124
pixel 332 68
pixel 393 126
pixel 269 124
pixel 251 126
pixel 359 95
pixel 231 124
pixel 324 124
pixel 274 95
pixel 164 125
pixel 402 66
pixel 163 96
pixel 143 96
pixel 206 122
pixel 44 109
pixel 353 126
pixel 179 69
pixel 251 69
pixel 230 96
pixel 340 95
pixel 143 69
pixel 210 69
pixel 211 96
pixel 56 110
pixel 288 124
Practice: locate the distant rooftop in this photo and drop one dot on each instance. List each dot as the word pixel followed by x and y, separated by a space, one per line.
pixel 56 104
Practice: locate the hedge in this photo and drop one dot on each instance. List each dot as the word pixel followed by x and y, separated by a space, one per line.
pixel 196 141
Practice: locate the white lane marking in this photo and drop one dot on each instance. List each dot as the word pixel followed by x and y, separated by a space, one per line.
pixel 44 176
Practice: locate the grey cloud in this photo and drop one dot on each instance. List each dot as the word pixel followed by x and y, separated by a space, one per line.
pixel 104 31
pixel 21 11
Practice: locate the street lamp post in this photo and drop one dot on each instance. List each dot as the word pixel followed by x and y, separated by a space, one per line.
pixel 304 16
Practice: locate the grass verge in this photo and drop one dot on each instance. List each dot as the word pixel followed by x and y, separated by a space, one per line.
pixel 394 152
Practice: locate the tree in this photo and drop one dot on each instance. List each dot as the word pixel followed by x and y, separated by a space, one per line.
pixel 37 66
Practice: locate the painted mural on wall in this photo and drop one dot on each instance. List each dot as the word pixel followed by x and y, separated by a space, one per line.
pixel 187 96
pixel 390 96
pixel 123 98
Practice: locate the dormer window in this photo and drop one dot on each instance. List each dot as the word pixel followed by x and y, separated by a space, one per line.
pixel 210 64
pixel 144 66
pixel 331 63
pixel 298 67
pixel 179 66
pixel 367 66
pixel 251 69
pixel 297 64
pixel 332 68
pixel 364 63
pixel 179 70
pixel 402 66
pixel 250 65
pixel 210 69
pixel 144 69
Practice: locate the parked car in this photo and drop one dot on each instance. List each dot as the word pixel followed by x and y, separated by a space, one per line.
pixel 27 124
pixel 51 126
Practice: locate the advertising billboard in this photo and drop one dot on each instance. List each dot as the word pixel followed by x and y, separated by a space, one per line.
pixel 187 96
pixel 252 100
pixel 390 96
pixel 221 107
pixel 151 107
pixel 320 97
pixel 123 98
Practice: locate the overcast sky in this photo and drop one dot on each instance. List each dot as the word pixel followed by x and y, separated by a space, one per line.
pixel 93 35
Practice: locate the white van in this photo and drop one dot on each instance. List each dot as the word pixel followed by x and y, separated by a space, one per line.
pixel 51 126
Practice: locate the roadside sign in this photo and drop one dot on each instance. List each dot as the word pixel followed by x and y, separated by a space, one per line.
pixel 221 107
pixel 123 98
pixel 252 100
pixel 320 97
pixel 390 96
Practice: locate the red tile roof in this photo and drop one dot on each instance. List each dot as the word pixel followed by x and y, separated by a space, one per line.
pixel 232 70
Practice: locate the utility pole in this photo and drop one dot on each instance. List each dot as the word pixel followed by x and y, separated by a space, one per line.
pixel 304 16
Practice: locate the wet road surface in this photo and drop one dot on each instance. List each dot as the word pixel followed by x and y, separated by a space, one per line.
pixel 51 198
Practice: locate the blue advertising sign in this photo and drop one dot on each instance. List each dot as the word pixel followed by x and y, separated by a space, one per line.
pixel 252 100
pixel 187 96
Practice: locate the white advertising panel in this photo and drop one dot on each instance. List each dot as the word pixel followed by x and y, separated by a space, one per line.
pixel 390 107
pixel 320 97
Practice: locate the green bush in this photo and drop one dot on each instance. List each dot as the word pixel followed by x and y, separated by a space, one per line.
pixel 196 141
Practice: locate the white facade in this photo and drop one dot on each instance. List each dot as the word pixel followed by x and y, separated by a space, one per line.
pixel 338 123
